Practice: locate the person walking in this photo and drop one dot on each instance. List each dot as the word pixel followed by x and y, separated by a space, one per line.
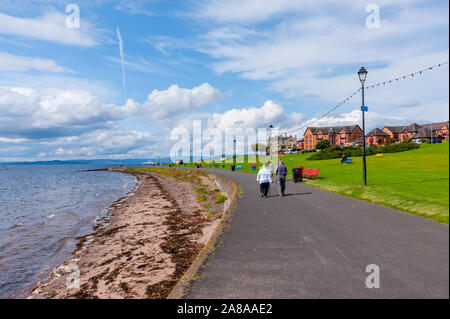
pixel 264 178
pixel 281 177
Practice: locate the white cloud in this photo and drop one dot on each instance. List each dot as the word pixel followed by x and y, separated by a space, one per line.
pixel 139 64
pixel 111 142
pixel 255 11
pixel 49 27
pixel 269 113
pixel 245 118
pixel 175 100
pixel 247 11
pixel 31 113
pixel 135 8
pixel 12 140
pixel 373 119
pixel 308 52
pixel 9 62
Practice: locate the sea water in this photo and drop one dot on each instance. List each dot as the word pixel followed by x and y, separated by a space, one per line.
pixel 43 209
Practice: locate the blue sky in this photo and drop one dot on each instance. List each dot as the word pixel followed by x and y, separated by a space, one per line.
pixel 228 63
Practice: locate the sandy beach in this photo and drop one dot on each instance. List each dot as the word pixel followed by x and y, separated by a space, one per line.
pixel 148 242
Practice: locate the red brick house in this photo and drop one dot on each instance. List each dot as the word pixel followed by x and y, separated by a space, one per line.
pixel 423 133
pixel 301 144
pixel 336 135
pixel 377 137
pixel 401 133
pixel 440 129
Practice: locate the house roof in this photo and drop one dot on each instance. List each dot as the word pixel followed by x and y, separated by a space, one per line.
pixel 423 133
pixel 332 129
pixel 414 127
pixel 395 129
pixel 378 132
pixel 435 126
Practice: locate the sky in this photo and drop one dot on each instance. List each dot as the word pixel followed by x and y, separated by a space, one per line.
pixel 119 78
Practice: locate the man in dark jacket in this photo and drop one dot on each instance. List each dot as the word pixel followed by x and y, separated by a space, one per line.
pixel 281 177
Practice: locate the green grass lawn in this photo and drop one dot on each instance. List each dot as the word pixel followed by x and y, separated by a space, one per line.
pixel 414 181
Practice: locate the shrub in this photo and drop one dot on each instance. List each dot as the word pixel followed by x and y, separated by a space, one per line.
pixel 336 148
pixel 357 151
pixel 324 144
pixel 407 140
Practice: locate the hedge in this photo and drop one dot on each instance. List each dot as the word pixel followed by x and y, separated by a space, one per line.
pixel 357 151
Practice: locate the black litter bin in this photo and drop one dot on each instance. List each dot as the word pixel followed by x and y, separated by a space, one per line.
pixel 233 167
pixel 297 173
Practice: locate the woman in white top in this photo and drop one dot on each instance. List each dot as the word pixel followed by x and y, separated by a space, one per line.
pixel 264 178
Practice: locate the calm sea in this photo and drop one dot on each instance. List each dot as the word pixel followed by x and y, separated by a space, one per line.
pixel 43 208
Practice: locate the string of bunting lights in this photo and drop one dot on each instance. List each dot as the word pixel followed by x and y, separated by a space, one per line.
pixel 394 80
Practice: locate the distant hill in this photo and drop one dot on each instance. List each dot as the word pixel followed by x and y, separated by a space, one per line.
pixel 128 161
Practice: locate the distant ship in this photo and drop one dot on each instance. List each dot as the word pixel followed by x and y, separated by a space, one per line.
pixel 149 163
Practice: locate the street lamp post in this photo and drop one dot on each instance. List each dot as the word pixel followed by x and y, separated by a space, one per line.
pixel 270 142
pixel 191 157
pixel 210 156
pixel 234 151
pixel 362 73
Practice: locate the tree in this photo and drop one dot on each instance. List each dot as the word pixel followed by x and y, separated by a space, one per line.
pixel 259 147
pixel 323 145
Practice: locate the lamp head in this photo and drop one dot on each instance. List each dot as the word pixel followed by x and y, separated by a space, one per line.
pixel 362 73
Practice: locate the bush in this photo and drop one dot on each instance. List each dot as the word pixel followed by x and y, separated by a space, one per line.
pixel 357 151
pixel 324 144
pixel 336 147
pixel 407 140
pixel 391 141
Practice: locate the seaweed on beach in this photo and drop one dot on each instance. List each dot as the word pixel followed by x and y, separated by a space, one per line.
pixel 160 290
pixel 178 243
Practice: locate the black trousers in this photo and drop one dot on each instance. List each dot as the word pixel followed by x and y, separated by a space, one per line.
pixel 281 181
pixel 264 188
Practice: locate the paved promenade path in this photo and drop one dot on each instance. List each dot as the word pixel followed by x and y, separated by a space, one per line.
pixel 316 244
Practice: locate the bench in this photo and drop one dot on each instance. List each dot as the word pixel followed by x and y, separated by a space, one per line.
pixel 312 173
pixel 347 161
